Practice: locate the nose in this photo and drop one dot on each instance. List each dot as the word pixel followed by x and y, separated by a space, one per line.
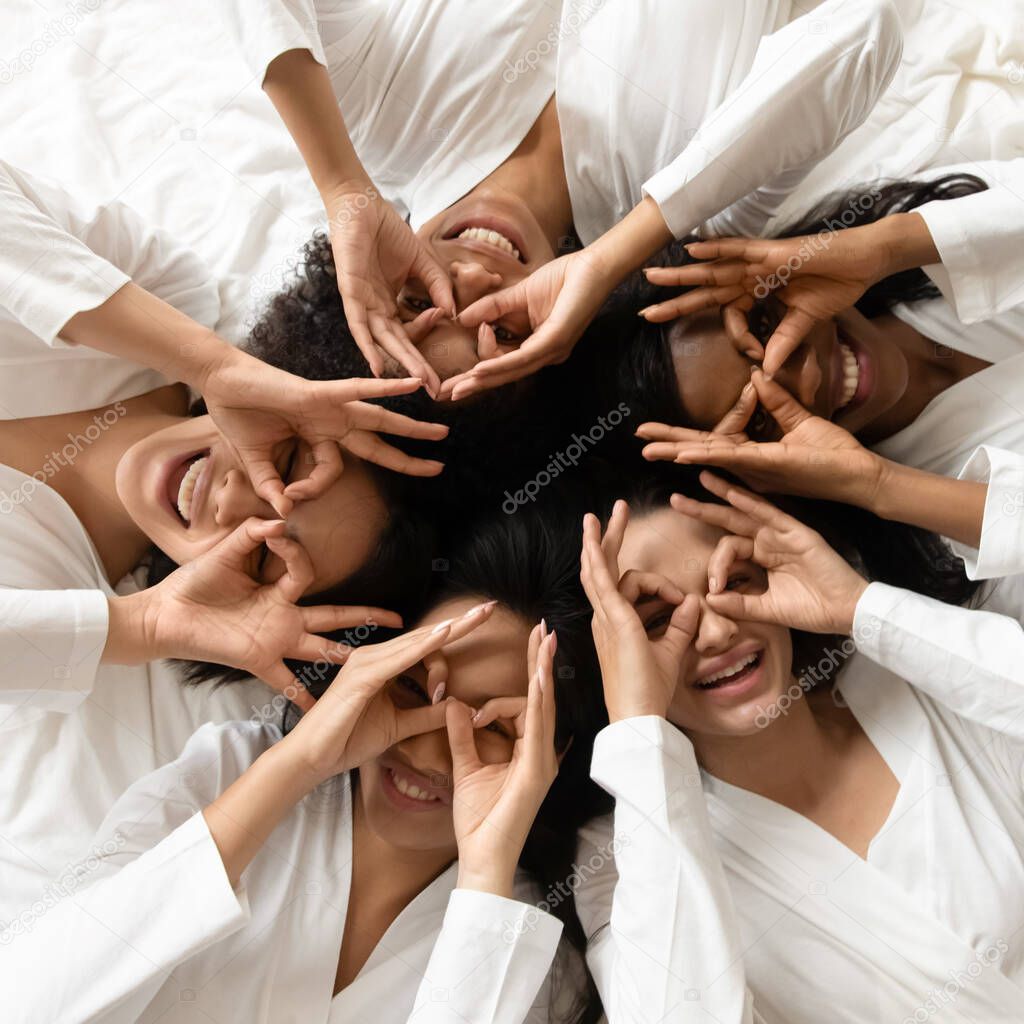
pixel 472 281
pixel 801 375
pixel 235 500
pixel 429 754
pixel 715 633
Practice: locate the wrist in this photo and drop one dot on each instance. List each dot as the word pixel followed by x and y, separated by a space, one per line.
pixel 906 239
pixel 618 710
pixel 290 771
pixel 495 879
pixel 628 245
pixel 848 608
pixel 881 495
pixel 131 633
pixel 348 192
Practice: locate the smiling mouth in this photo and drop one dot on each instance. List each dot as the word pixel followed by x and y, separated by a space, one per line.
pixel 488 233
pixel 851 375
pixel 735 673
pixel 407 793
pixel 182 485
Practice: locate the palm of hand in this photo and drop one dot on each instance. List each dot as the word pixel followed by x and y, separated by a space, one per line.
pixel 481 815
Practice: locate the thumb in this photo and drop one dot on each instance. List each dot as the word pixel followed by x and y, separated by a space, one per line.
pixel 682 626
pixel 414 721
pixel 779 403
pixel 735 606
pixel 461 739
pixel 438 284
pixel 246 538
pixel 494 306
pixel 794 327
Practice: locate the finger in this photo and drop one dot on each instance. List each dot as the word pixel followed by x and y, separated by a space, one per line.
pixel 736 419
pixel 792 329
pixel 736 606
pixel 729 550
pixel 298 575
pixel 724 517
pixel 266 480
pixel 682 626
pixel 310 647
pixel 461 740
pixel 436 665
pixel 665 432
pixel 615 531
pixel 393 340
pixel 358 325
pixel 719 272
pixel 787 412
pixel 533 725
pixel 498 707
pixel 635 584
pixel 746 501
pixel 486 342
pixel 691 302
pixel 381 420
pixel 236 547
pixel 537 634
pixel 325 618
pixel 494 306
pixel 511 365
pixel 734 319
pixel 368 446
pixel 281 678
pixel 419 327
pixel 605 587
pixel 430 274
pixel 749 249
pixel 546 678
pixel 359 389
pixel 327 467
pixel 416 721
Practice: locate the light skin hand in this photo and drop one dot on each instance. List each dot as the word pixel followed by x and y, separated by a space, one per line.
pixel 809 587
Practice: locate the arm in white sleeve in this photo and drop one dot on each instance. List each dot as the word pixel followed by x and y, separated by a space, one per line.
pixel 152 893
pixel 811 84
pixel 967 659
pixel 488 963
pixel 59 257
pixel 663 942
pixel 979 239
pixel 1001 552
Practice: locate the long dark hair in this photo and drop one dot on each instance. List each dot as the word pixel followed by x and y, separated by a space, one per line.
pixel 530 562
pixel 626 358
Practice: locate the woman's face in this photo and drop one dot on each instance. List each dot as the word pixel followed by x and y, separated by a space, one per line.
pixel 186 490
pixel 406 792
pixel 486 241
pixel 845 370
pixel 732 670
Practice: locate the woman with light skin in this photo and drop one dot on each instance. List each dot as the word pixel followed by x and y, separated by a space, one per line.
pixel 834 844
pixel 378 860
pixel 500 163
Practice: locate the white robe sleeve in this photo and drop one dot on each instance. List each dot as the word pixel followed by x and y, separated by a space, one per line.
pixel 488 963
pixel 53 610
pixel 663 941
pixel 811 84
pixel 1001 552
pixel 152 892
pixel 967 659
pixel 979 239
pixel 59 257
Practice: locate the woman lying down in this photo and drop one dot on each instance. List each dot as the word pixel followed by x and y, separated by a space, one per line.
pixel 820 778
pixel 364 865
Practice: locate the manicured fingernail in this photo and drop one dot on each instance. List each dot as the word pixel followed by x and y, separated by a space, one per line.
pixel 554 641
pixel 713 584
pixel 438 693
pixel 645 311
pixel 441 626
pixel 475 716
pixel 543 628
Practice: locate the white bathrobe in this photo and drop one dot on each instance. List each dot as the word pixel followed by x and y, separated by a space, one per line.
pixel 718 904
pixel 152 930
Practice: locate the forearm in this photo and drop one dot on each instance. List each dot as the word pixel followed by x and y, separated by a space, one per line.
pixel 907 240
pixel 300 89
pixel 633 241
pixel 247 812
pixel 135 325
pixel 946 506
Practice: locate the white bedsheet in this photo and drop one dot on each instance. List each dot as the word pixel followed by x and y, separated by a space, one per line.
pixel 146 101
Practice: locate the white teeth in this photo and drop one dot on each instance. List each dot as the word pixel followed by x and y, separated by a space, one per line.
pixel 492 238
pixel 411 790
pixel 188 486
pixel 851 375
pixel 732 670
